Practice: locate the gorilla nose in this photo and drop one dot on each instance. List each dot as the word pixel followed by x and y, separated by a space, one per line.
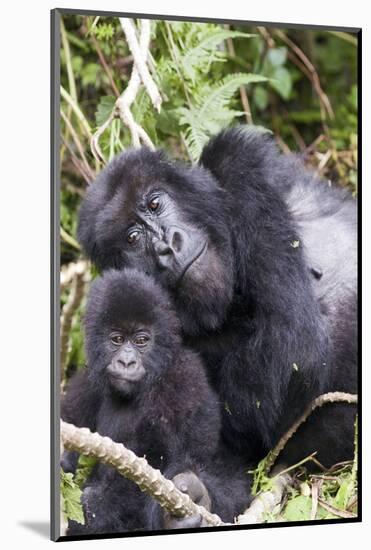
pixel 126 361
pixel 171 247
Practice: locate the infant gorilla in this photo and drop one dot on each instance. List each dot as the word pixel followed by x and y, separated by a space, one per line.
pixel 144 389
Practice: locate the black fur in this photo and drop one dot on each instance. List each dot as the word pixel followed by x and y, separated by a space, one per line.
pixel 171 417
pixel 273 335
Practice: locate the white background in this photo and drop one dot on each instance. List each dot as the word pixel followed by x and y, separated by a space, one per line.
pixel 24 287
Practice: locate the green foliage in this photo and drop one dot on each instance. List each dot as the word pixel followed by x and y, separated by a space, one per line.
pixel 104 109
pixel 298 509
pixel 210 111
pixel 261 481
pixel 76 354
pixel 196 59
pixel 84 468
pixel 71 488
pixel 103 31
pixel 71 498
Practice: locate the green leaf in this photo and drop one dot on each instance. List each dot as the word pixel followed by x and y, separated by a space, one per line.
pixel 104 109
pixel 343 494
pixel 71 498
pixel 281 82
pixel 298 509
pixel 260 97
pixel 277 56
pixel 84 467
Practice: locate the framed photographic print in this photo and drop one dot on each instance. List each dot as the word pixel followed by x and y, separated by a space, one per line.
pixel 205 372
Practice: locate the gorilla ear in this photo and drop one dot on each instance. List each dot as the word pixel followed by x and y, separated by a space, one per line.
pixel 86 232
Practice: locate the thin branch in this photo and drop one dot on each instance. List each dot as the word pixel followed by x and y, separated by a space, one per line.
pixel 267 37
pixel 331 397
pixel 105 66
pixel 243 93
pixel 345 36
pixel 78 145
pixel 76 109
pixel 67 52
pixel 316 486
pixel 68 239
pixel 336 511
pixel 266 501
pixel 94 142
pixel 324 100
pixel 79 165
pixel 136 469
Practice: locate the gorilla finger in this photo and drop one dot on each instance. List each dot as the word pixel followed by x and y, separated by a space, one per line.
pixel 189 522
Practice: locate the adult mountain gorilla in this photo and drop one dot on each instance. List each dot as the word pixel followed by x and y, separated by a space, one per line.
pixel 260 258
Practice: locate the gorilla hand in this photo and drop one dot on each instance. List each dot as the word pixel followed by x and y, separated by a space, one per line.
pixel 189 483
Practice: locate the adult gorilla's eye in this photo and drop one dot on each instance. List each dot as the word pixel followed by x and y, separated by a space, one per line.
pixel 117 339
pixel 154 204
pixel 141 340
pixel 133 236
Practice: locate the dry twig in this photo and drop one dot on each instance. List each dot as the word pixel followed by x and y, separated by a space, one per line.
pixel 316 486
pixel 310 72
pixel 331 397
pixel 105 66
pixel 336 511
pixel 243 93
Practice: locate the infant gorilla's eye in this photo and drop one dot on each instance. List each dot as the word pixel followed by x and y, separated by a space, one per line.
pixel 117 339
pixel 154 204
pixel 141 340
pixel 133 236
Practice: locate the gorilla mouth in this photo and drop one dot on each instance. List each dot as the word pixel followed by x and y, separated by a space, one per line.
pixel 200 253
pixel 129 377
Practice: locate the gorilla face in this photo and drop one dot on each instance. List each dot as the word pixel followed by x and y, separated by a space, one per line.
pixel 127 358
pixel 168 221
pixel 178 249
pixel 132 332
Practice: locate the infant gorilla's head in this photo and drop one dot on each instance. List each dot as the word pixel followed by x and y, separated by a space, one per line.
pixel 169 221
pixel 132 332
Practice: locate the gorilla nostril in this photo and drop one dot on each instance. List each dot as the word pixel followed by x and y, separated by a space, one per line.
pixel 177 241
pixel 127 363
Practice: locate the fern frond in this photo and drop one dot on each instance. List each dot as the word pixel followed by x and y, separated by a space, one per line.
pixel 218 97
pixel 205 50
pixel 195 135
pixel 211 112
